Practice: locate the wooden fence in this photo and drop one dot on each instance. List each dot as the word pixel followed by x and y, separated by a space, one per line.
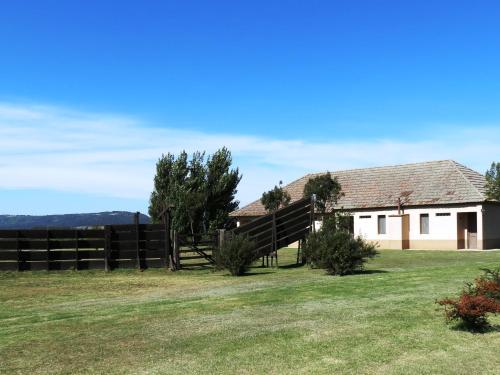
pixel 115 246
pixel 281 228
pixel 144 245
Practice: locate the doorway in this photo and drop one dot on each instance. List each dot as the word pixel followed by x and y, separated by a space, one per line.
pixel 467 230
pixel 405 235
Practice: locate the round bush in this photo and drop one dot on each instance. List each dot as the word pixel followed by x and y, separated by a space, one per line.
pixel 337 251
pixel 236 255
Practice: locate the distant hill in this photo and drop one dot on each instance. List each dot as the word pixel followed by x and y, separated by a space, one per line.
pixel 69 220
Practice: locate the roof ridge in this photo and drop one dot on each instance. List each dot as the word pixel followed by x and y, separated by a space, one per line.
pixel 385 166
pixel 456 166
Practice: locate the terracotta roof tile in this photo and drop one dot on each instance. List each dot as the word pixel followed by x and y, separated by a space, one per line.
pixel 435 182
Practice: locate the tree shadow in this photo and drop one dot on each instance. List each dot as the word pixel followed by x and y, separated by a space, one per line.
pixel 368 272
pixel 292 265
pixel 256 273
pixel 461 327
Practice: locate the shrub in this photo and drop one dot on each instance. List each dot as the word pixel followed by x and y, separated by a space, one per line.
pixel 470 309
pixel 489 284
pixel 475 302
pixel 236 254
pixel 337 251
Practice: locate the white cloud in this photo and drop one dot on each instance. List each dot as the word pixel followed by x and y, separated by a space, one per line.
pixel 112 155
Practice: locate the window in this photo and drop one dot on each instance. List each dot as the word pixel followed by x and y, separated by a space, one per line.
pixel 381 224
pixel 365 217
pixel 443 214
pixel 424 223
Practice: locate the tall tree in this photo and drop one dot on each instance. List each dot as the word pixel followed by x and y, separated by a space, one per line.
pixel 326 189
pixel 221 184
pixel 275 198
pixel 493 182
pixel 200 191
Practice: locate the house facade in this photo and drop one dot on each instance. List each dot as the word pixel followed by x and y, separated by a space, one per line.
pixel 432 205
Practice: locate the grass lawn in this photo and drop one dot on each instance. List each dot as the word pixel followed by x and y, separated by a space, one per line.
pixel 273 321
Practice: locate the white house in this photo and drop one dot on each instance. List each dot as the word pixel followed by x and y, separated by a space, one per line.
pixel 430 205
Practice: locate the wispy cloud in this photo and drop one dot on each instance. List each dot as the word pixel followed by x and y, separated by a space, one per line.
pixel 114 155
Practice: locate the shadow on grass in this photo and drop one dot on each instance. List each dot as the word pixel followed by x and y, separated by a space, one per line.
pixel 368 272
pixel 286 266
pixel 482 330
pixel 257 273
pixel 293 265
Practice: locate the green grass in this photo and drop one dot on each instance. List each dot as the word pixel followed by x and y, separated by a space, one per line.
pixel 274 321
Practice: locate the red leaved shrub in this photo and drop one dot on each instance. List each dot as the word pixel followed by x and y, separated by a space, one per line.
pixel 489 284
pixel 470 309
pixel 475 302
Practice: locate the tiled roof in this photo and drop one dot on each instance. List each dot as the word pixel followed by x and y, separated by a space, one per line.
pixel 428 183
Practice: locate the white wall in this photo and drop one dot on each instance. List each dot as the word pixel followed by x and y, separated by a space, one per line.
pixel 442 229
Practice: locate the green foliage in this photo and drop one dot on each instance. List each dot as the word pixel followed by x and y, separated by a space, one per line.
pixel 476 301
pixel 202 192
pixel 344 221
pixel 336 250
pixel 236 254
pixel 493 182
pixel 327 190
pixel 275 199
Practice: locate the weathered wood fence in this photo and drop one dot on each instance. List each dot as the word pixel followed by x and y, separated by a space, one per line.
pixel 115 246
pixel 281 228
pixel 144 246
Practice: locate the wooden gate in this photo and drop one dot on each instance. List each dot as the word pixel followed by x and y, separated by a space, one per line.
pixel 195 251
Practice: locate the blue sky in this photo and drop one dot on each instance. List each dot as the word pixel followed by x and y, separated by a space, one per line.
pixel 97 90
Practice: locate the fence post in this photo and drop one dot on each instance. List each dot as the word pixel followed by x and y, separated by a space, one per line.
pixel 19 254
pixel 107 246
pixel 177 261
pixel 48 249
pixel 76 249
pixel 169 261
pixel 275 236
pixel 313 203
pixel 298 251
pixel 137 244
pixel 220 243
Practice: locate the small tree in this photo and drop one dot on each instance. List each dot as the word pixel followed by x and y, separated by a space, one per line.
pixel 275 199
pixel 493 182
pixel 326 189
pixel 236 255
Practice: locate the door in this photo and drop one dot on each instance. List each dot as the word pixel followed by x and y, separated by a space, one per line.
pixel 405 235
pixel 472 230
pixel 462 230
